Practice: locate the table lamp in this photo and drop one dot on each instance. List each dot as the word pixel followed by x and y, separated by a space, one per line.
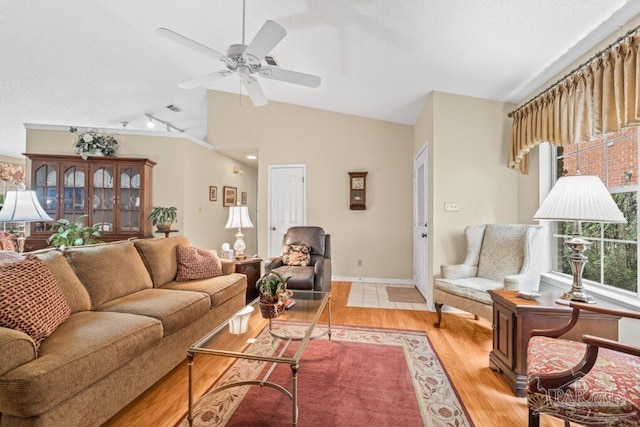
pixel 239 218
pixel 22 206
pixel 579 198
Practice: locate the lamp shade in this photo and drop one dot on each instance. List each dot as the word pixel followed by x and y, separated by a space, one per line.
pixel 579 198
pixel 239 217
pixel 22 206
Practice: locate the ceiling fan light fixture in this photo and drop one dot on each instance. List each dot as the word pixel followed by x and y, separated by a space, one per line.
pixel 150 123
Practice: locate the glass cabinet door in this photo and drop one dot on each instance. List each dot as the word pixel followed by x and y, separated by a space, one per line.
pixel 45 186
pixel 129 200
pixel 103 199
pixel 74 194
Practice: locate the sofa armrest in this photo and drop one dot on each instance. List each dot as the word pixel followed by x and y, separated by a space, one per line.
pixel 228 266
pixel 516 282
pixel 458 271
pixel 16 349
pixel 272 263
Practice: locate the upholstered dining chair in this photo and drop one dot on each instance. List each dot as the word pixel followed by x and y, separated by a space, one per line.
pixel 499 256
pixel 306 259
pixel 595 382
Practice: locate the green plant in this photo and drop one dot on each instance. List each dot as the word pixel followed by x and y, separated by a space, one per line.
pixel 90 142
pixel 273 287
pixel 67 233
pixel 160 215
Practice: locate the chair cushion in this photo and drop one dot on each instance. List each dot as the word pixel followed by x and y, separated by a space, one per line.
pixel 175 309
pixel 502 252
pixel 607 394
pixel 474 288
pixel 301 278
pixel 120 270
pixel 30 299
pixel 314 237
pixel 196 263
pixel 160 257
pixel 296 255
pixel 220 289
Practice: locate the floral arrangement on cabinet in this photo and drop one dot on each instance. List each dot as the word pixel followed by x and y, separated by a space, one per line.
pixel 90 142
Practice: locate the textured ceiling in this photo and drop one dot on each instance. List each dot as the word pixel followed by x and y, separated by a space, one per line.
pixel 98 63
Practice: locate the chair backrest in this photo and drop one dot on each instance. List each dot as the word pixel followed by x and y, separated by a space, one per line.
pixel 314 237
pixel 504 248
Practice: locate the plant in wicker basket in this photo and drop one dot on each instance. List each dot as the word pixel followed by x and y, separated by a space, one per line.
pixel 273 292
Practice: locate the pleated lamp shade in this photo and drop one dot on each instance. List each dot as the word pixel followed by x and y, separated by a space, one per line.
pixel 239 217
pixel 22 206
pixel 580 198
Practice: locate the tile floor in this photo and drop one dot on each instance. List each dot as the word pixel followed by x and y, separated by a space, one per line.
pixel 374 295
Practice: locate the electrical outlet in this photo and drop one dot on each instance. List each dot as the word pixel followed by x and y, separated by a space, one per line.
pixel 359 263
pixel 451 207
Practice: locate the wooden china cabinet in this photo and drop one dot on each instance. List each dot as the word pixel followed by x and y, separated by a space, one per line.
pixel 114 193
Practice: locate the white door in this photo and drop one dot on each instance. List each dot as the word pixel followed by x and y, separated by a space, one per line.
pixel 287 202
pixel 420 222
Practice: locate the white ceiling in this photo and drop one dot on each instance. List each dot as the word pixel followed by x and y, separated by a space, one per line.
pixel 98 63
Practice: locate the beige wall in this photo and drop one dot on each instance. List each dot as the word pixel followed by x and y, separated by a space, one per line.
pixel 468 140
pixel 181 178
pixel 330 145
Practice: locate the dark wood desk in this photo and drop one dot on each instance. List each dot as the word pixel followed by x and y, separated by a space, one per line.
pixel 515 317
pixel 251 267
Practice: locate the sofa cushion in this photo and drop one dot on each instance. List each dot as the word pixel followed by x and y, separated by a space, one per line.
pixel 84 349
pixel 502 251
pixel 30 299
pixel 74 292
pixel 220 289
pixel 109 271
pixel 196 263
pixel 160 257
pixel 296 255
pixel 175 309
pixel 16 347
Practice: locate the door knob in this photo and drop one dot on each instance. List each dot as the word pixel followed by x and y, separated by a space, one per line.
pixel 424 234
pixel 273 228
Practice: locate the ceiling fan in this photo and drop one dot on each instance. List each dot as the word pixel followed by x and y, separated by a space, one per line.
pixel 245 61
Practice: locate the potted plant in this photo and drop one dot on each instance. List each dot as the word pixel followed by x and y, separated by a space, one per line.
pixel 163 217
pixel 273 293
pixel 91 142
pixel 67 233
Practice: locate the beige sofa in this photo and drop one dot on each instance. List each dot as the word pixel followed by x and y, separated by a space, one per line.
pixel 130 324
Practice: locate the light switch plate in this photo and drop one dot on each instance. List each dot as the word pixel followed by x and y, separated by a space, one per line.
pixel 451 207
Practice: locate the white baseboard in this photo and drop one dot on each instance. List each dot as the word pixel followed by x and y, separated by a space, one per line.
pixel 373 280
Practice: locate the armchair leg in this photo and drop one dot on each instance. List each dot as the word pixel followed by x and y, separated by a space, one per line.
pixel 439 311
pixel 534 418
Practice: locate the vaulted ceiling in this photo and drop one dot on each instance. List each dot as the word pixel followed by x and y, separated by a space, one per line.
pixel 99 63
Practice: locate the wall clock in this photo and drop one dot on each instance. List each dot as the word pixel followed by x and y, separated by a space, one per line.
pixel 357 191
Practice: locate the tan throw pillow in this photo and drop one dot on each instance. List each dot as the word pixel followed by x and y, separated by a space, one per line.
pixel 30 299
pixel 296 255
pixel 9 257
pixel 195 263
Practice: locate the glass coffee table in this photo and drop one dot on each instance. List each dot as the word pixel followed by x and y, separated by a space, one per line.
pixel 237 337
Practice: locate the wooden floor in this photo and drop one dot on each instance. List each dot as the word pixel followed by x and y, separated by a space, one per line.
pixel 462 343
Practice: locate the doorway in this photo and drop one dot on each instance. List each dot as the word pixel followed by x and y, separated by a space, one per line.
pixel 287 202
pixel 421 221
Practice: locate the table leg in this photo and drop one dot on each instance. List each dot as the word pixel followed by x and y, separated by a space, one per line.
pixel 329 313
pixel 294 392
pixel 190 413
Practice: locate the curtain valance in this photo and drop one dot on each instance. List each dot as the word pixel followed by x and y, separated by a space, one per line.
pixel 600 97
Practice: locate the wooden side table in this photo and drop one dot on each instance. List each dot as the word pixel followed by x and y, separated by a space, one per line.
pixel 515 317
pixel 167 232
pixel 251 267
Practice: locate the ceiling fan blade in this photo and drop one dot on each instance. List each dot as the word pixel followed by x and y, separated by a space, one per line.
pixel 290 76
pixel 203 80
pixel 255 91
pixel 267 38
pixel 191 44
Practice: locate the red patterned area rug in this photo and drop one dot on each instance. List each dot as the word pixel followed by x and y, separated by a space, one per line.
pixel 361 377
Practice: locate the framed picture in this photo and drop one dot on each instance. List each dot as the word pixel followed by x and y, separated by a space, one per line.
pixel 244 198
pixel 230 196
pixel 213 193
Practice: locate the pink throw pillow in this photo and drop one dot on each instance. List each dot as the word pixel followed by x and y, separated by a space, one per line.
pixel 195 263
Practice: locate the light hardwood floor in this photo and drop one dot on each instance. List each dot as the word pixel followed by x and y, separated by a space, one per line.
pixel 462 343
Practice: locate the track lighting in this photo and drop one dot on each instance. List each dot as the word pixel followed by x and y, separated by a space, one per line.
pixel 151 123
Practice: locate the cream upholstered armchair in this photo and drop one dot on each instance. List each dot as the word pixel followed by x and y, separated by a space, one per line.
pixel 499 256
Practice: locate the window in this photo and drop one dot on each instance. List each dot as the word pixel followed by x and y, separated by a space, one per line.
pixel 613 253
